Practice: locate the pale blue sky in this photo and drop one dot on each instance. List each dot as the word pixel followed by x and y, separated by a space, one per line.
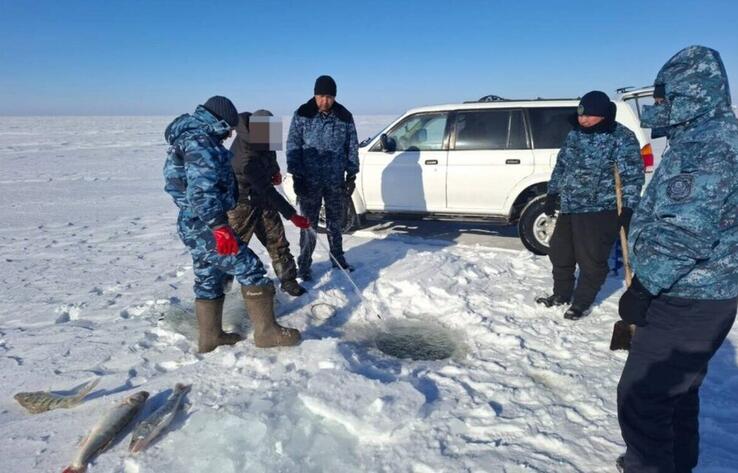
pixel 163 57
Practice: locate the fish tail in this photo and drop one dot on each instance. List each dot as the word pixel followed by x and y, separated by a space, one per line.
pixel 86 389
pixel 71 469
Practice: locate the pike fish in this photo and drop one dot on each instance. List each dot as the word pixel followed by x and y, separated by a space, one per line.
pixel 42 401
pixel 104 432
pixel 149 428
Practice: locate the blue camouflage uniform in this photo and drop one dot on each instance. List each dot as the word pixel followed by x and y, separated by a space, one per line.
pixel 322 153
pixel 684 250
pixel 587 226
pixel 200 179
pixel 583 174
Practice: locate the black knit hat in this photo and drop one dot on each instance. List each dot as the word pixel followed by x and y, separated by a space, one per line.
pixel 223 109
pixel 325 85
pixel 595 104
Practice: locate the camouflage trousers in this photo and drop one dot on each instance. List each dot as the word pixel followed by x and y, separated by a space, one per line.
pixel 335 209
pixel 214 271
pixel 248 220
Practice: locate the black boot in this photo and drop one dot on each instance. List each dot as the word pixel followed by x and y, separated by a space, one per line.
pixel 576 312
pixel 292 288
pixel 340 262
pixel 553 300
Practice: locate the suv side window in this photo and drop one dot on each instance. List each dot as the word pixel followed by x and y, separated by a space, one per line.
pixel 490 129
pixel 421 132
pixel 550 125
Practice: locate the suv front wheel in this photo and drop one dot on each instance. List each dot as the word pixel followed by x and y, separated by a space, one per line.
pixel 535 227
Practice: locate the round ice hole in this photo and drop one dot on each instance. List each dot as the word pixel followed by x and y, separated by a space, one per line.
pixel 416 341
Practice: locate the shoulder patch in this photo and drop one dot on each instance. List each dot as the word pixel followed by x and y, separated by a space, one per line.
pixel 680 187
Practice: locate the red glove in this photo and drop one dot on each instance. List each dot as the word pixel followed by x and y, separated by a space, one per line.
pixel 300 221
pixel 277 179
pixel 225 241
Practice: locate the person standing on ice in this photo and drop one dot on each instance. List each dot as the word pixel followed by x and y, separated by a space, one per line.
pixel 323 158
pixel 200 179
pixel 259 203
pixel 684 252
pixel 584 183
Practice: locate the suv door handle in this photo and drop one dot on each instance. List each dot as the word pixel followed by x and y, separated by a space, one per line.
pixel 431 162
pixel 512 161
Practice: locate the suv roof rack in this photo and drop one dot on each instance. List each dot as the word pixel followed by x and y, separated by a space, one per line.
pixel 633 92
pixel 497 98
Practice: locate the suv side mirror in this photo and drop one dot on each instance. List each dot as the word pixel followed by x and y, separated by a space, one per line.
pixel 388 144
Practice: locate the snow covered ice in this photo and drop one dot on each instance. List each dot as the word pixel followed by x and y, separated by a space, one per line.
pixel 95 282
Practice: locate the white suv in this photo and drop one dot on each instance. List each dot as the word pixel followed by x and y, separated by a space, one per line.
pixel 489 159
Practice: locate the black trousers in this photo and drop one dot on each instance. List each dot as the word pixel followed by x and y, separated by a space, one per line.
pixel 658 393
pixel 584 240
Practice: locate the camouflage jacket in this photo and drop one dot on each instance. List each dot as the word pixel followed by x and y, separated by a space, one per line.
pixel 583 176
pixel 322 149
pixel 684 235
pixel 197 172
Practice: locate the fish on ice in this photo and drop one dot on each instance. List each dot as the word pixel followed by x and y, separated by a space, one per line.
pixel 42 401
pixel 104 432
pixel 148 429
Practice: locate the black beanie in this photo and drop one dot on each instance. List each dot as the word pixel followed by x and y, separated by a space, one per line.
pixel 223 109
pixel 595 103
pixel 325 85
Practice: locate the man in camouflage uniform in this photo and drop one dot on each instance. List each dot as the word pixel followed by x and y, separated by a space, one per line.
pixel 200 179
pixel 259 203
pixel 684 250
pixel 584 182
pixel 323 158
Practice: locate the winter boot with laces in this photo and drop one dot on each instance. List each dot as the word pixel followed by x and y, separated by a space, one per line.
pixel 210 325
pixel 259 302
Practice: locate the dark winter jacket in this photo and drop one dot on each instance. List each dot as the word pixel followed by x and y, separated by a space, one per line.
pixel 254 170
pixel 197 172
pixel 684 235
pixel 322 150
pixel 583 176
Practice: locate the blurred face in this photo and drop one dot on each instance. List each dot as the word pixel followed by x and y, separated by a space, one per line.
pixel 586 121
pixel 324 102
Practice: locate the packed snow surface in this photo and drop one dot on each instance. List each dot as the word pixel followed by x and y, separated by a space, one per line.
pixel 95 282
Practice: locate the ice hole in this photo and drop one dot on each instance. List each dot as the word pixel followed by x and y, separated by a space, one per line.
pixel 417 341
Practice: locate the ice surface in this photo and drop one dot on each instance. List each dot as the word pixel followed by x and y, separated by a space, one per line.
pixel 95 282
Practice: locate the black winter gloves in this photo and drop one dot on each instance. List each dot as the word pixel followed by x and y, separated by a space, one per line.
pixel 634 303
pixel 549 207
pixel 350 184
pixel 626 213
pixel 299 186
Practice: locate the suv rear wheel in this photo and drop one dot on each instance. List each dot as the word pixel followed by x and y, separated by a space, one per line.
pixel 535 227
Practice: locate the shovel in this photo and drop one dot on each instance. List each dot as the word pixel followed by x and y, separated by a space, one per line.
pixel 622 332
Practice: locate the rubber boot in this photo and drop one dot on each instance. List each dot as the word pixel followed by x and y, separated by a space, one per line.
pixel 210 325
pixel 259 302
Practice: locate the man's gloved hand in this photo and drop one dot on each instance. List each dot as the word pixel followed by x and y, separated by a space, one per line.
pixel 226 243
pixel 299 186
pixel 277 178
pixel 634 303
pixel 300 222
pixel 350 184
pixel 549 206
pixel 626 213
